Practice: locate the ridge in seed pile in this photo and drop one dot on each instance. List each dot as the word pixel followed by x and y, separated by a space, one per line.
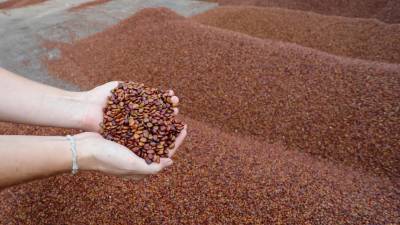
pixel 384 10
pixel 142 119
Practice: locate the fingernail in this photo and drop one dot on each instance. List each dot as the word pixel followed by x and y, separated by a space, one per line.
pixel 175 101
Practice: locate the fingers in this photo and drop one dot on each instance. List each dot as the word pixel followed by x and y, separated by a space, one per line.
pixel 157 167
pixel 153 168
pixel 149 170
pixel 107 87
pixel 175 101
pixel 112 84
pixel 176 111
pixel 178 141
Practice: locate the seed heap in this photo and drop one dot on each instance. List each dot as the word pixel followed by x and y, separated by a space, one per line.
pixel 141 118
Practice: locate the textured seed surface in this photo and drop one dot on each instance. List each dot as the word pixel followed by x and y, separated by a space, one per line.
pixel 131 101
pixel 240 94
pixel 338 35
pixel 217 178
pixel 384 10
pixel 335 107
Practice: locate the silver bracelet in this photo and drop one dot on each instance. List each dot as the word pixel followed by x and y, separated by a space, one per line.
pixel 74 154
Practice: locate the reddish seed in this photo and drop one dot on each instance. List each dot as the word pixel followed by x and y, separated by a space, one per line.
pixel 128 121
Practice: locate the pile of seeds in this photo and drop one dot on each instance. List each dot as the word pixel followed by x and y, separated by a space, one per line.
pixel 334 107
pixel 384 10
pixel 142 119
pixel 337 35
pixel 232 81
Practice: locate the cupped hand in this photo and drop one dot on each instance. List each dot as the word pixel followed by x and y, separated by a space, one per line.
pixel 96 99
pixel 107 156
pixel 99 154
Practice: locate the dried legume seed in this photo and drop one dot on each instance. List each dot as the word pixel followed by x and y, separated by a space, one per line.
pixel 139 117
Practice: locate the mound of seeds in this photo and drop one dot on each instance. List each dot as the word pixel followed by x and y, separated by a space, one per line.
pixel 142 119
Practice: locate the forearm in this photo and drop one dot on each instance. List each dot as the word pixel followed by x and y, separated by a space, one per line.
pixel 24 158
pixel 26 101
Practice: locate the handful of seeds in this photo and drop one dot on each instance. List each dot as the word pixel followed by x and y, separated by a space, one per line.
pixel 142 119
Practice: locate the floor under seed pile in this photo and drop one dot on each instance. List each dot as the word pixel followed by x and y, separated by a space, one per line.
pixel 278 133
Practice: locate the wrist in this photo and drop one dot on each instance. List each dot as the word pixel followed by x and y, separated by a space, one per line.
pixel 84 106
pixel 91 112
pixel 78 107
pixel 84 120
pixel 85 151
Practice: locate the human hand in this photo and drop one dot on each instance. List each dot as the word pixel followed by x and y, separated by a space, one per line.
pixel 96 100
pixel 99 154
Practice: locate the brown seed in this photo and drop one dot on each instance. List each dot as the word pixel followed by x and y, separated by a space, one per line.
pixel 134 106
pixel 131 121
pixel 151 151
pixel 148 161
pixel 139 117
pixel 156 159
pixel 155 138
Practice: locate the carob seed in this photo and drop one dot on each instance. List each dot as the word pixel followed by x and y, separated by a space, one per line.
pixel 141 118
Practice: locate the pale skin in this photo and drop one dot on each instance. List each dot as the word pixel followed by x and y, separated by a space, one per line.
pixel 25 158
